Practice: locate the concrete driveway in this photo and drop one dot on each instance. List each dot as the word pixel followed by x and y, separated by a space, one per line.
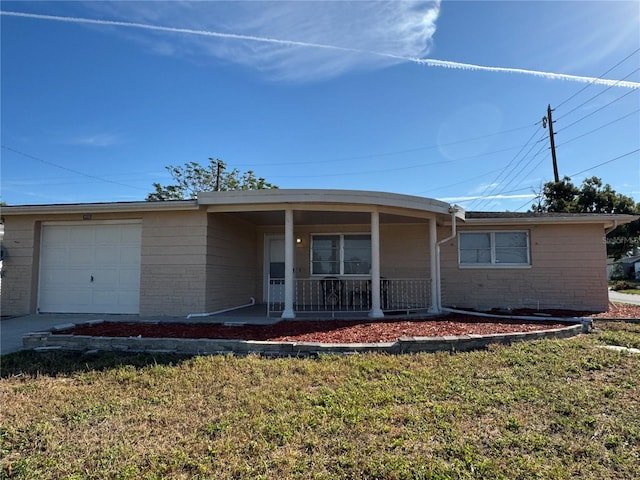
pixel 12 329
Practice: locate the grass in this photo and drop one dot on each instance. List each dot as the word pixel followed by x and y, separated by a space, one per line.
pixel 547 409
pixel 632 291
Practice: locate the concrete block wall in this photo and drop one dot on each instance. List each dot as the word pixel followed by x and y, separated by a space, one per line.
pixel 404 250
pixel 19 283
pixel 232 272
pixel 173 263
pixel 568 271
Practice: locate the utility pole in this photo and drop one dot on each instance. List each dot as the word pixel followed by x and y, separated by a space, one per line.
pixel 217 184
pixel 548 120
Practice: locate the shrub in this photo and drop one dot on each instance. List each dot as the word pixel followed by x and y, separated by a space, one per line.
pixel 624 285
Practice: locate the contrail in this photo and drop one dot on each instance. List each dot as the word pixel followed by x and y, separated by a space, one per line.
pixel 292 43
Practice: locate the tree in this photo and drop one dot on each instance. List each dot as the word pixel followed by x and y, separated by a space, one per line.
pixel 557 196
pixel 594 197
pixel 192 178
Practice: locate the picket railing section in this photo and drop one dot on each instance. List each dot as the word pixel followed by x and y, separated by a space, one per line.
pixel 332 294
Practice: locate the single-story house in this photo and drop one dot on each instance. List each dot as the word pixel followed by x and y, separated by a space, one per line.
pixel 629 267
pixel 298 251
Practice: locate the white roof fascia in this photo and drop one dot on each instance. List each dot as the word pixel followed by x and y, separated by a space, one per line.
pixel 218 201
pixel 605 219
pixel 114 207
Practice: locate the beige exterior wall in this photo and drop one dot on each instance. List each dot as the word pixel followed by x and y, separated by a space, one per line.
pixel 19 283
pixel 173 264
pixel 568 271
pixel 404 251
pixel 404 248
pixel 233 275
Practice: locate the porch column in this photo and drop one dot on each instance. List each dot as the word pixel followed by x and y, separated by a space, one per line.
pixel 376 311
pixel 433 264
pixel 288 265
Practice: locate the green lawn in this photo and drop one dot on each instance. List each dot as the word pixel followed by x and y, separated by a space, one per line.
pixel 546 409
pixel 633 291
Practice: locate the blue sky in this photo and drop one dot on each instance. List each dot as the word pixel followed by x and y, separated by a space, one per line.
pixel 98 97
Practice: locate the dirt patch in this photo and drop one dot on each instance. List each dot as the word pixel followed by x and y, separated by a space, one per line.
pixel 323 331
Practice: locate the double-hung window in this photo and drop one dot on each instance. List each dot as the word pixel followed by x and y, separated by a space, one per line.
pixel 341 254
pixel 493 249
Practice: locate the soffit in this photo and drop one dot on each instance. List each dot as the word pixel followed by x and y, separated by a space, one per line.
pixel 300 217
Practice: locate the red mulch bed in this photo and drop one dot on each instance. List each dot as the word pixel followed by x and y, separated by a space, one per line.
pixel 620 310
pixel 348 331
pixel 323 331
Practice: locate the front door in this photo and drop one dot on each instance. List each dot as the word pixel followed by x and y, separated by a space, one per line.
pixel 274 269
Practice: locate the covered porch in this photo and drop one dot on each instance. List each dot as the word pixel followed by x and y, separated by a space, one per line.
pixel 340 253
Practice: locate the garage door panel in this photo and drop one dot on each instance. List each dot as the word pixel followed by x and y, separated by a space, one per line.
pixel 55 257
pixel 107 236
pixel 55 237
pixel 129 278
pixel 130 236
pixel 68 300
pixel 128 255
pixel 80 236
pixel 80 256
pixel 106 278
pixel 87 268
pixel 106 255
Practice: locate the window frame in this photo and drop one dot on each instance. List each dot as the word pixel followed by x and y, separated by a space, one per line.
pixel 341 261
pixel 492 244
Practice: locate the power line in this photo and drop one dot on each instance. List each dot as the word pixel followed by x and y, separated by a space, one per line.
pixel 475 177
pixel 586 170
pixel 397 169
pixel 601 76
pixel 515 175
pixel 392 153
pixel 595 96
pixel 599 128
pixel 597 110
pixel 608 161
pixel 77 172
pixel 494 184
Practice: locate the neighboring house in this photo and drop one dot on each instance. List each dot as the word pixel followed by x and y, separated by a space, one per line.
pixel 299 251
pixel 628 267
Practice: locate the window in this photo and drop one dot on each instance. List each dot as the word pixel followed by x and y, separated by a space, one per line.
pixel 493 248
pixel 340 254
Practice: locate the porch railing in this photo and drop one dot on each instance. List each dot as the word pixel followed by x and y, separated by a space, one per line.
pixel 332 294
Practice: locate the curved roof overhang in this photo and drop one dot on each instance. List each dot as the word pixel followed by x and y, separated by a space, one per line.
pixel 327 206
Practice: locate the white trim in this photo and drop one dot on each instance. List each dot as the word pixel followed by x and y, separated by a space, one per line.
pixel 298 198
pixel 124 221
pixel 113 207
pixel 493 264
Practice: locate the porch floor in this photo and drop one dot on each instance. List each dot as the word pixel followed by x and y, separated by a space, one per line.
pixel 257 315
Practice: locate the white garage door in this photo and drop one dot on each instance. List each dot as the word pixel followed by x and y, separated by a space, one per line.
pixel 90 268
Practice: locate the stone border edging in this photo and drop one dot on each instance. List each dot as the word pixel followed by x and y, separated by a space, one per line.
pixel 48 340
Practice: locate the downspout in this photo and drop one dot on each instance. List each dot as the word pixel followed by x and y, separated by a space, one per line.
pixel 453 210
pixel 607 231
